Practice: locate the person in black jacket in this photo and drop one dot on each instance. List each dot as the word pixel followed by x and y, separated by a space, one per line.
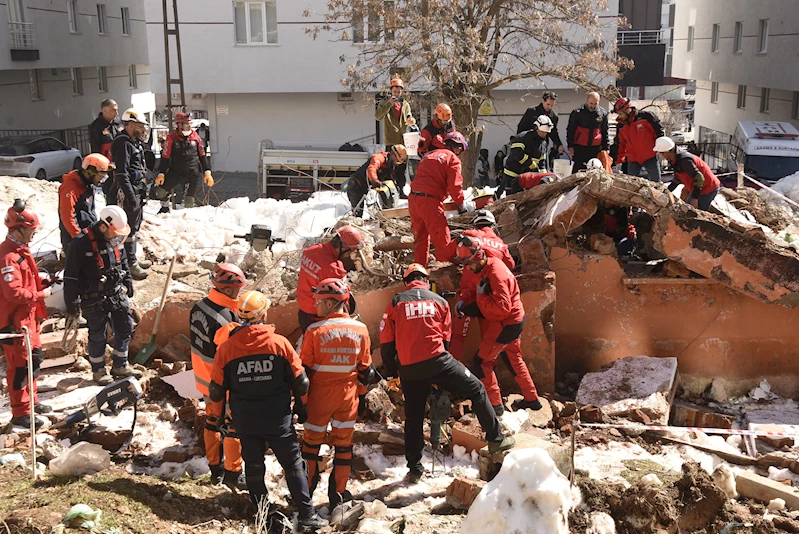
pixel 98 284
pixel 587 132
pixel 127 154
pixel 546 107
pixel 101 134
pixel 528 153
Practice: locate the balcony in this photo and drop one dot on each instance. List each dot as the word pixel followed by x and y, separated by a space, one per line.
pixel 23 41
pixel 641 37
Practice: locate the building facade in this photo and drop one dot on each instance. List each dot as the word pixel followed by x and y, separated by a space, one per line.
pixel 60 59
pixel 251 69
pixel 743 56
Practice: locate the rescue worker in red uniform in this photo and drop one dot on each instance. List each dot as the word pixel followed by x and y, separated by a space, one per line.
pixel 432 135
pixel 22 295
pixel 499 302
pixel 438 175
pixel 209 315
pixel 587 132
pixel 336 354
pixel 257 371
pixel 101 134
pixel 182 160
pixel 416 329
pixel 493 245
pixel 528 180
pixel 76 196
pixel 379 168
pixel 637 133
pixel 319 262
pixel 691 171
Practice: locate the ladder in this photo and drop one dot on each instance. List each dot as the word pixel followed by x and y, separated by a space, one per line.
pixel 170 80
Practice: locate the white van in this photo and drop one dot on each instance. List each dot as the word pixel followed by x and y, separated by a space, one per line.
pixel 768 150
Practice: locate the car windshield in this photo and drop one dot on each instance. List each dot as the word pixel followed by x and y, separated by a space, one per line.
pixel 13 150
pixel 771 167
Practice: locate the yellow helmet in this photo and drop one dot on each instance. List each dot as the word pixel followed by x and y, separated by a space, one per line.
pixel 252 306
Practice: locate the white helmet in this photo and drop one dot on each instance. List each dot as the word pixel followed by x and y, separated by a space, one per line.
pixel 133 115
pixel 484 218
pixel 594 163
pixel 543 123
pixel 664 144
pixel 116 219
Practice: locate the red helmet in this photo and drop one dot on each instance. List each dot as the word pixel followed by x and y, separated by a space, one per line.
pixel 332 288
pixel 227 275
pixel 182 117
pixel 19 216
pixel 349 236
pixel 622 104
pixel 469 250
pixel 457 138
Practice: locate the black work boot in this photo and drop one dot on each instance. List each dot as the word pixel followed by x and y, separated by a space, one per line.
pixel 338 498
pixel 503 445
pixel 25 421
pixel 235 480
pixel 499 409
pixel 42 408
pixel 217 473
pixel 311 523
pixel 414 475
pixel 522 404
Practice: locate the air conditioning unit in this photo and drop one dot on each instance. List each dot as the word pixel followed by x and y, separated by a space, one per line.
pixel 346 97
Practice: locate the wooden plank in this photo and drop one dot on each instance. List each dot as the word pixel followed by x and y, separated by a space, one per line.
pixel 668 281
pixel 395 213
pixel 62 361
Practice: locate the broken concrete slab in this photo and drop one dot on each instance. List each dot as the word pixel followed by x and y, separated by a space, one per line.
pixel 177 350
pixel 565 213
pixel 560 453
pixel 635 382
pixel 753 486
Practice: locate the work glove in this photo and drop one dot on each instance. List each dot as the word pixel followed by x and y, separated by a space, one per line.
pixel 159 180
pixel 459 308
pixel 375 184
pixel 483 287
pixel 301 411
pixel 467 206
pixel 130 291
pixel 362 405
pixel 46 292
pixel 208 179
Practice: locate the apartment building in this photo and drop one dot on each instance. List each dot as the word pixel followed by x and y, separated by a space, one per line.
pixel 61 58
pixel 743 56
pixel 254 72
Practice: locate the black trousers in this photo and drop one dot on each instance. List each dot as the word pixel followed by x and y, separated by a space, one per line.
pixel 287 452
pixel 451 375
pixel 355 193
pixel 306 319
pixel 582 154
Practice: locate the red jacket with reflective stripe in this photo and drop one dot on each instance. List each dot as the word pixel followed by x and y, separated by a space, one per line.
pixel 637 137
pixel 21 293
pixel 335 349
pixel 317 263
pixel 686 168
pixel 418 322
pixel 494 248
pixel 439 175
pixel 502 302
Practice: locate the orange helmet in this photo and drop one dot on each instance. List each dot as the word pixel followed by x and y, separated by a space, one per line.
pixel 227 275
pixel 332 288
pixel 443 113
pixel 349 236
pixel 400 153
pixel 469 250
pixel 396 82
pixel 414 268
pixel 252 306
pixel 19 216
pixel 98 161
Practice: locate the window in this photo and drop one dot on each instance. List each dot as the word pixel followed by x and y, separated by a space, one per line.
pixel 714 92
pixel 255 22
pixel 390 19
pixel 714 43
pixel 374 27
pixel 36 84
pixel 77 82
pixel 795 107
pixel 132 81
pixel 102 20
pixel 762 36
pixel 377 26
pixel 125 21
pixel 741 96
pixel 72 14
pixel 690 38
pixel 765 97
pixel 738 43
pixel 102 80
pixel 357 27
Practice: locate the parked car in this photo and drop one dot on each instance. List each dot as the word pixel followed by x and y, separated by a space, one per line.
pixel 677 137
pixel 45 158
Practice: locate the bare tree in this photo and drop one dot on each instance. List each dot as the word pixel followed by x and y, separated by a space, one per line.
pixel 461 50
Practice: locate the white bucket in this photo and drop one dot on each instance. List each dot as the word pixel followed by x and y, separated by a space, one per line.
pixel 411 141
pixel 562 167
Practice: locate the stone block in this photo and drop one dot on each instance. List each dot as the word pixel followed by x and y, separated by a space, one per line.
pixel 462 492
pixel 754 486
pixel 684 413
pixel 174 456
pixel 188 412
pixel 533 255
pixel 675 270
pixel 603 244
pixel 467 433
pixel 490 464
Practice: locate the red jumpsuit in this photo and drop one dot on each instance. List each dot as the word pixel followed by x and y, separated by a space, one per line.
pixel 494 247
pixel 501 305
pixel 438 175
pixel 334 350
pixel 317 263
pixel 21 304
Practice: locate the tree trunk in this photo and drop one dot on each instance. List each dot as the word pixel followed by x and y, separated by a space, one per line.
pixel 465 117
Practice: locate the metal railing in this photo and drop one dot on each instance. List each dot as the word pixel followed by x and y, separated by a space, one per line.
pixel 640 37
pixel 23 36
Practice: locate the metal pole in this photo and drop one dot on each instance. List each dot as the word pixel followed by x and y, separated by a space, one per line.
pixel 31 400
pixel 168 70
